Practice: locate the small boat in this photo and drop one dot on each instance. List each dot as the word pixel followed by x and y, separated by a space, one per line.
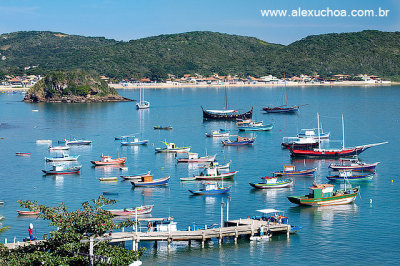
pixel 217 134
pixel 211 189
pixel 308 143
pixel 75 142
pixel 211 173
pixel 252 127
pixel 142 104
pixel 226 114
pixel 194 158
pixel 108 179
pixel 62 170
pixel 28 213
pixel 132 141
pixel 107 160
pixel 1 202
pixel 246 122
pixel 172 148
pixel 313 133
pixel 120 138
pixel 272 182
pixel 135 177
pixel 148 181
pixel 110 193
pixel 163 127
pixel 44 141
pixel 348 175
pixel 63 158
pixel 58 148
pixel 132 211
pixel 324 195
pixel 23 153
pixel 278 217
pixel 282 109
pixel 216 165
pixel 239 141
pixel 353 164
pixel 291 170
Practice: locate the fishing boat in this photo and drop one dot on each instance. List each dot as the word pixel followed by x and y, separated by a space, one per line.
pixel 28 213
pixel 75 142
pixel 217 134
pixel 170 147
pixel 133 141
pixel 148 181
pixel 163 127
pixel 211 188
pixel 142 104
pixel 246 122
pixel 194 158
pixel 62 158
pixel 58 148
pixel 23 153
pixel 272 182
pixel 308 143
pixel 323 153
pixel 107 160
pixel 344 175
pixel 353 164
pixel 290 170
pixel 62 170
pixel 324 195
pixel 135 177
pixel 132 211
pixel 211 173
pixel 252 127
pixel 283 108
pixel 239 141
pixel 216 165
pixel 226 114
pixel 108 179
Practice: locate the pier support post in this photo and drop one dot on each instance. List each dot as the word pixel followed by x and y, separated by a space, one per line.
pixel 202 239
pixel 252 228
pixel 236 236
pixel 134 245
pixel 169 243
pixel 190 242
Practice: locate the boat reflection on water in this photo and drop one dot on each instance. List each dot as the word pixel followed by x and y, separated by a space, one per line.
pixel 107 169
pixel 273 196
pixel 311 163
pixel 151 191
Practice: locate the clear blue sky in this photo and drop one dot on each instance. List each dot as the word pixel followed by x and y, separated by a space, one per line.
pixel 133 19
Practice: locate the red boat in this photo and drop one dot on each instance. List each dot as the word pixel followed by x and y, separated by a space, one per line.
pixel 107 160
pixel 343 152
pixel 130 212
pixel 23 153
pixel 26 213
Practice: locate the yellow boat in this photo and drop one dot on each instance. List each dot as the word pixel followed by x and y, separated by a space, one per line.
pixel 110 179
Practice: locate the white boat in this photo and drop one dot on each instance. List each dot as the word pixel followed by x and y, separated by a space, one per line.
pixel 43 141
pixel 133 141
pixel 75 142
pixel 58 148
pixel 217 134
pixel 194 158
pixel 172 148
pixel 63 158
pixel 142 104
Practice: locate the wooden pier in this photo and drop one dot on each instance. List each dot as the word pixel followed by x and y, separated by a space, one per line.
pixel 233 228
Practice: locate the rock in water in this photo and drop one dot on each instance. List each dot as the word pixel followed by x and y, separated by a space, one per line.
pixel 72 87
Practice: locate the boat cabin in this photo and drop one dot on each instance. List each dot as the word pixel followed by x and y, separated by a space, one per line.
pixel 170 145
pixel 209 186
pixel 165 226
pixel 345 173
pixel 271 180
pixel 289 168
pixel 105 158
pixel 58 167
pixel 211 171
pixel 193 156
pixel 321 191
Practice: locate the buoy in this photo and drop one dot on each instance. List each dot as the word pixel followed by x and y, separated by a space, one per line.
pixel 162 168
pixel 370 200
pixel 392 180
pixel 31 226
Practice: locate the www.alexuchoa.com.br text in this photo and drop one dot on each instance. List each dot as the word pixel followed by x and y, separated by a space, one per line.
pixel 327 12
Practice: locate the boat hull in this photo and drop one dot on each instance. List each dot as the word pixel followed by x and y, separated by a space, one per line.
pixel 256 128
pixel 365 167
pixel 228 116
pixel 70 171
pixel 327 153
pixel 302 172
pixel 292 109
pixel 113 162
pixel 143 142
pixel 272 186
pixel 238 143
pixel 28 213
pixel 177 150
pixel 335 200
pixel 354 178
pixel 129 212
pixel 211 192
pixel 207 159
pixel 223 176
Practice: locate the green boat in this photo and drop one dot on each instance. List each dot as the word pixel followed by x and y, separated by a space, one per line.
pixel 323 195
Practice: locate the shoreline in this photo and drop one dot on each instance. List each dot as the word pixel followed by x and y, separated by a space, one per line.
pixel 179 85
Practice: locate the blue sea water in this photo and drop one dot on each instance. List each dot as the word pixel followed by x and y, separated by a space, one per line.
pixel 361 233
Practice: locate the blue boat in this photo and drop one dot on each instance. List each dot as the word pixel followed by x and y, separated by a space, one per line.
pixel 350 176
pixel 239 141
pixel 261 127
pixel 109 193
pixel 211 189
pixel 149 182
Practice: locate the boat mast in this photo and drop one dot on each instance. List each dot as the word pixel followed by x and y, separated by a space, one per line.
pixel 319 135
pixel 343 130
pixel 284 77
pixel 226 99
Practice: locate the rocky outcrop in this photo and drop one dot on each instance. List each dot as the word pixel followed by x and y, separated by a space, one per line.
pixel 72 87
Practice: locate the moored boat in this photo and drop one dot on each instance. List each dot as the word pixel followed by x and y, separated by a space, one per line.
pixel 194 158
pixel 146 209
pixel 163 127
pixel 282 109
pixel 135 177
pixel 217 134
pixel 272 182
pixel 290 170
pixel 23 153
pixel 239 141
pixel 110 193
pixel 28 213
pixel 148 181
pixel 170 147
pixel 142 104
pixel 132 141
pixel 75 142
pixel 108 179
pixel 211 189
pixel 324 195
pixel 308 143
pixel 217 165
pixel 107 160
pixel 63 158
pixel 226 114
pixel 252 127
pixel 62 170
pixel 211 173
pixel 348 175
pixel 353 164
pixel 58 148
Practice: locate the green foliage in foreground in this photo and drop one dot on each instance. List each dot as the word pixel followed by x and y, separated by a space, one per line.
pixel 61 247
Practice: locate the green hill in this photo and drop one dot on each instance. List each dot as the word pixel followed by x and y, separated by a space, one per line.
pixel 372 52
